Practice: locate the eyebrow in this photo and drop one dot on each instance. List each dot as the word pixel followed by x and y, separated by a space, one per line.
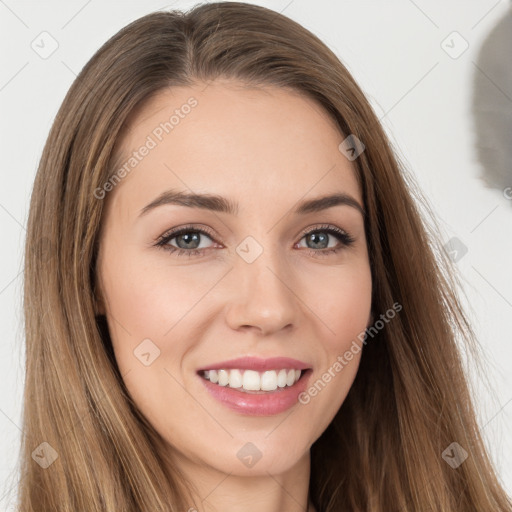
pixel 221 204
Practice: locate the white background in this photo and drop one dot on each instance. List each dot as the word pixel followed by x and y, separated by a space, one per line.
pixel 395 51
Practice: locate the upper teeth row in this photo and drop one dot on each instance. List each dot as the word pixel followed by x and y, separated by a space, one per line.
pixel 252 380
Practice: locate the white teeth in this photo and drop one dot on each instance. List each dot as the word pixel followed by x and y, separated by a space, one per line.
pixel 223 378
pixel 235 379
pixel 250 380
pixel 281 378
pixel 269 381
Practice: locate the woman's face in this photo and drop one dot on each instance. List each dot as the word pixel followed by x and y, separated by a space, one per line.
pixel 268 282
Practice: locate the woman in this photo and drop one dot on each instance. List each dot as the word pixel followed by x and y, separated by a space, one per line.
pixel 231 299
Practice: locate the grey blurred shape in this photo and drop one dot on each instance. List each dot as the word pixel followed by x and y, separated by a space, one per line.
pixel 492 105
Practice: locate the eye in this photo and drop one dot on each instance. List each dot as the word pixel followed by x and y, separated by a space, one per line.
pixel 319 238
pixel 188 240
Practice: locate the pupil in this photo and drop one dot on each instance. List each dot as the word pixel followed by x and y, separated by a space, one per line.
pixel 187 238
pixel 314 238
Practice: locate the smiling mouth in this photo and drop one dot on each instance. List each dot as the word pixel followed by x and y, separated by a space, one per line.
pixel 251 381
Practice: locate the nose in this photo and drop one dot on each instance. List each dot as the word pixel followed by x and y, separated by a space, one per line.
pixel 263 297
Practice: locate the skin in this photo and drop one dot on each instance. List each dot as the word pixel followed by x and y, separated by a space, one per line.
pixel 267 149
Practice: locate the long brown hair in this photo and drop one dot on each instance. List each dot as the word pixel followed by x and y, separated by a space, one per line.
pixel 410 400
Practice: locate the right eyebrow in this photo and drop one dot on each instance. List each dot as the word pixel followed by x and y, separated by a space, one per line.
pixel 212 202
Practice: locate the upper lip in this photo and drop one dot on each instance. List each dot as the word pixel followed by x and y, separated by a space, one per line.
pixel 258 364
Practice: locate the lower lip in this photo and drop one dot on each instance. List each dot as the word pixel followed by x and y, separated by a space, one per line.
pixel 264 404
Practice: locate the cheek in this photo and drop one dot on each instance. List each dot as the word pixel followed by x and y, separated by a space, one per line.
pixel 344 309
pixel 343 303
pixel 147 308
pixel 144 302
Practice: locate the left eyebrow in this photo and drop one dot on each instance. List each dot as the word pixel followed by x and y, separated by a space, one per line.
pixel 322 203
pixel 221 204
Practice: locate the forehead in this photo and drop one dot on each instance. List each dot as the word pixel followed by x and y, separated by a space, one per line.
pixel 268 144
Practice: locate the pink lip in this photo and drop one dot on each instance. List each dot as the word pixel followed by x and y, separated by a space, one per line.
pixel 257 364
pixel 258 404
pixel 268 404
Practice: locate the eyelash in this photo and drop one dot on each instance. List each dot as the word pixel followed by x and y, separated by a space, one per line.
pixel 162 242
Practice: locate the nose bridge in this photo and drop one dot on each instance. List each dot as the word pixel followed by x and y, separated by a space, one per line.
pixel 263 295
